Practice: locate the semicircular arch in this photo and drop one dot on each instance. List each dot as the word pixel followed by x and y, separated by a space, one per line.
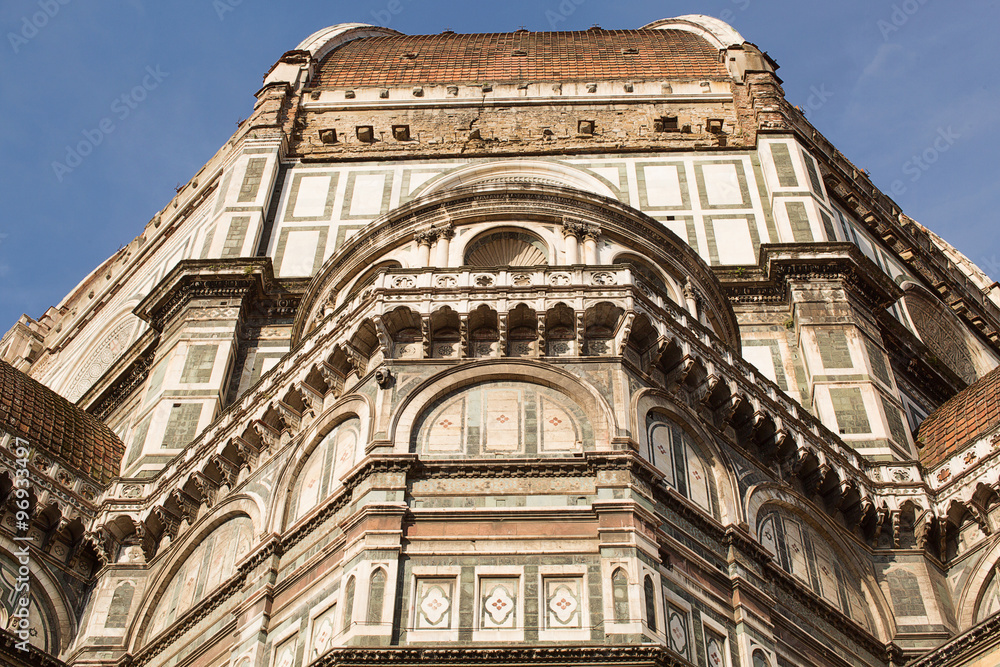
pixel 581 393
pixel 523 172
pixel 769 495
pixel 233 508
pixel 507 245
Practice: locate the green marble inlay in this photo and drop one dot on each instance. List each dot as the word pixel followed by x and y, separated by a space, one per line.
pixel 849 407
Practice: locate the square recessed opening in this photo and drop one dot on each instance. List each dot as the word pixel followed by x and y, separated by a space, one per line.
pixel 366 133
pixel 585 127
pixel 666 124
pixel 401 132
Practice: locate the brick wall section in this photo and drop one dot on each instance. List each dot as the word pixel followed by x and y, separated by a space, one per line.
pixel 439 132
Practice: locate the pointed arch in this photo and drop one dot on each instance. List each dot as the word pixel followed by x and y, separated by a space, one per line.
pixel 376 595
pixel 977 588
pixel 234 508
pixel 619 591
pixel 347 407
pixel 49 606
pixel 813 527
pixel 649 602
pixel 349 590
pixel 682 421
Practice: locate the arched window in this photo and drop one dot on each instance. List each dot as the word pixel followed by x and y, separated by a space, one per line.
pixel 760 659
pixel 672 451
pixel 321 475
pixel 376 597
pixel 349 605
pixel 506 248
pixel 803 553
pixel 121 601
pixel 991 598
pixel 649 595
pixel 619 591
pixel 211 563
pixel 508 418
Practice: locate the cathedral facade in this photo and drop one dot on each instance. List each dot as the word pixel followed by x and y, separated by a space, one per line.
pixel 576 348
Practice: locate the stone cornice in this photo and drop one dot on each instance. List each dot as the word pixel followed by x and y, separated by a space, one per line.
pixel 33 657
pixel 782 262
pixel 964 646
pixel 502 656
pixel 222 278
pixel 853 189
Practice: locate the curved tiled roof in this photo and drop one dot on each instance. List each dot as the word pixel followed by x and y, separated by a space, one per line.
pixel 30 410
pixel 970 414
pixel 521 56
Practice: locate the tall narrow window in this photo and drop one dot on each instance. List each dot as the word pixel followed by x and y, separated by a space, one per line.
pixel 376 596
pixel 672 451
pixel 715 648
pixel 650 595
pixel 619 590
pixel 121 601
pixel 349 604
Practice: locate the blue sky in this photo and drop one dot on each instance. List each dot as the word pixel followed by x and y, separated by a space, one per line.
pixel 886 82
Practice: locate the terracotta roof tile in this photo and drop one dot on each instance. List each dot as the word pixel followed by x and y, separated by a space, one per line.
pixel 967 416
pixel 521 56
pixel 31 410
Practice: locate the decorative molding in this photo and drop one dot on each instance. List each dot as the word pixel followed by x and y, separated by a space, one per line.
pixel 583 656
pixel 960 648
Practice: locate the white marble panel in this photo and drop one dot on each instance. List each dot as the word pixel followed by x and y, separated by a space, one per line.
pixel 300 253
pixel 367 196
pixel 733 241
pixel 312 196
pixel 722 185
pixel 663 186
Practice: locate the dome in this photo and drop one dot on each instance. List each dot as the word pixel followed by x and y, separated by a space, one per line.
pixel 388 60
